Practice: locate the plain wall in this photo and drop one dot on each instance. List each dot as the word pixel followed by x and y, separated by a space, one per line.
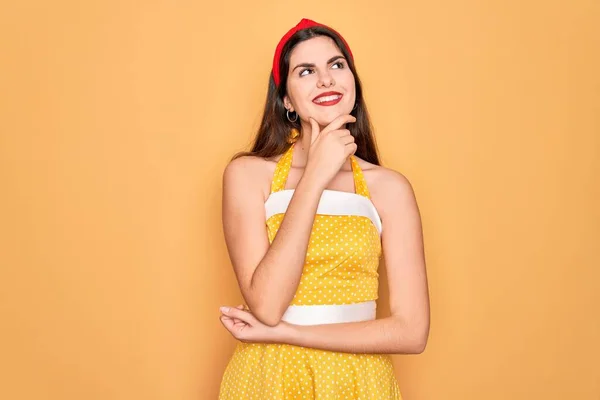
pixel 118 117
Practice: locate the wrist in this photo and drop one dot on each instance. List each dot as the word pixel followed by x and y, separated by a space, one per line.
pixel 287 333
pixel 311 182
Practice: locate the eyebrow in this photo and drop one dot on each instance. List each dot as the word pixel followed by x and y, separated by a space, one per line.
pixel 308 65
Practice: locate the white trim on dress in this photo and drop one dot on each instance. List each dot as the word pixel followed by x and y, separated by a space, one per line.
pixel 330 313
pixel 332 202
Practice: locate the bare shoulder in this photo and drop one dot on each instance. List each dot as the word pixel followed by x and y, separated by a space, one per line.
pixel 244 166
pixel 389 188
pixel 249 173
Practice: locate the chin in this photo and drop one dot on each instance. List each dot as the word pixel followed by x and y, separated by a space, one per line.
pixel 329 116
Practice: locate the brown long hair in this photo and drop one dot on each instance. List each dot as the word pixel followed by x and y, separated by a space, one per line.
pixel 274 130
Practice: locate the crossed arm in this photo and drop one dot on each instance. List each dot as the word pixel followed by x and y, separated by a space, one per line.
pixel 406 330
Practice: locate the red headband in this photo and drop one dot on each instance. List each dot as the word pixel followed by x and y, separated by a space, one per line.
pixel 303 24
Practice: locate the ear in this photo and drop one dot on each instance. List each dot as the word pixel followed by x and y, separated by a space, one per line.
pixel 287 103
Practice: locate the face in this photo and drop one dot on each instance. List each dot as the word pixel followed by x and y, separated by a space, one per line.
pixel 317 67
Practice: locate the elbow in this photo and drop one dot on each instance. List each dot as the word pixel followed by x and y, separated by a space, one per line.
pixel 270 320
pixel 265 309
pixel 412 346
pixel 414 341
pixel 419 342
pixel 268 316
pixel 419 346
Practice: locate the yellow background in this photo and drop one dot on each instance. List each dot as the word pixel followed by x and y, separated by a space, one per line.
pixel 118 117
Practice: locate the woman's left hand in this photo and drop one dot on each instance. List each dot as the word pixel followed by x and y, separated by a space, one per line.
pixel 246 328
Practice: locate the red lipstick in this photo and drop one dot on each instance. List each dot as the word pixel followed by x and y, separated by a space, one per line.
pixel 332 98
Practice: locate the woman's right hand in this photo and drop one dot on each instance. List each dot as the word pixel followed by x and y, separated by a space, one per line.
pixel 329 149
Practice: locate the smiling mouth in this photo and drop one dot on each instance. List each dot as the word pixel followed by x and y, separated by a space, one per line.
pixel 328 100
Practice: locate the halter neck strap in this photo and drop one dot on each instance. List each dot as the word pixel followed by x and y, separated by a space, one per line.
pixel 284 165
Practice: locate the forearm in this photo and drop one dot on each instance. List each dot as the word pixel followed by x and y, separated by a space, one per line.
pixel 276 278
pixel 386 336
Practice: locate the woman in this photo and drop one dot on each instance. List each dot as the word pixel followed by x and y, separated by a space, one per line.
pixel 310 278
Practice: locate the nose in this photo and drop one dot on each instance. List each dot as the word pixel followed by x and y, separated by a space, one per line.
pixel 325 80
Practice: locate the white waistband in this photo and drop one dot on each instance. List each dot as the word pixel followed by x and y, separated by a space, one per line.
pixel 330 314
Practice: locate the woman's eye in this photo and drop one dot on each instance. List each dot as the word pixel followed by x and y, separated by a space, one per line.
pixel 307 71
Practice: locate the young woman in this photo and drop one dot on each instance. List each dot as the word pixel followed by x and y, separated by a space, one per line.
pixel 307 215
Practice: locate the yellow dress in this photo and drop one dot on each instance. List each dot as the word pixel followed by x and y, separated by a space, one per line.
pixel 338 283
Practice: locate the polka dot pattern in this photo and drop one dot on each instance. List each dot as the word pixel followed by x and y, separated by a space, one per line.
pixel 341 268
pixel 342 259
pixel 286 372
pixel 282 170
pixel 359 181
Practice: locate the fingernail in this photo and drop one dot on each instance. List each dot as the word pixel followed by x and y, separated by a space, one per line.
pixel 224 309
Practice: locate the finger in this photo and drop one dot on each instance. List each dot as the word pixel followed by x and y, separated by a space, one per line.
pixel 244 316
pixel 347 139
pixel 241 316
pixel 227 322
pixel 225 308
pixel 315 130
pixel 232 327
pixel 343 132
pixel 240 326
pixel 239 307
pixel 339 122
pixel 351 149
pixel 235 320
pixel 231 321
